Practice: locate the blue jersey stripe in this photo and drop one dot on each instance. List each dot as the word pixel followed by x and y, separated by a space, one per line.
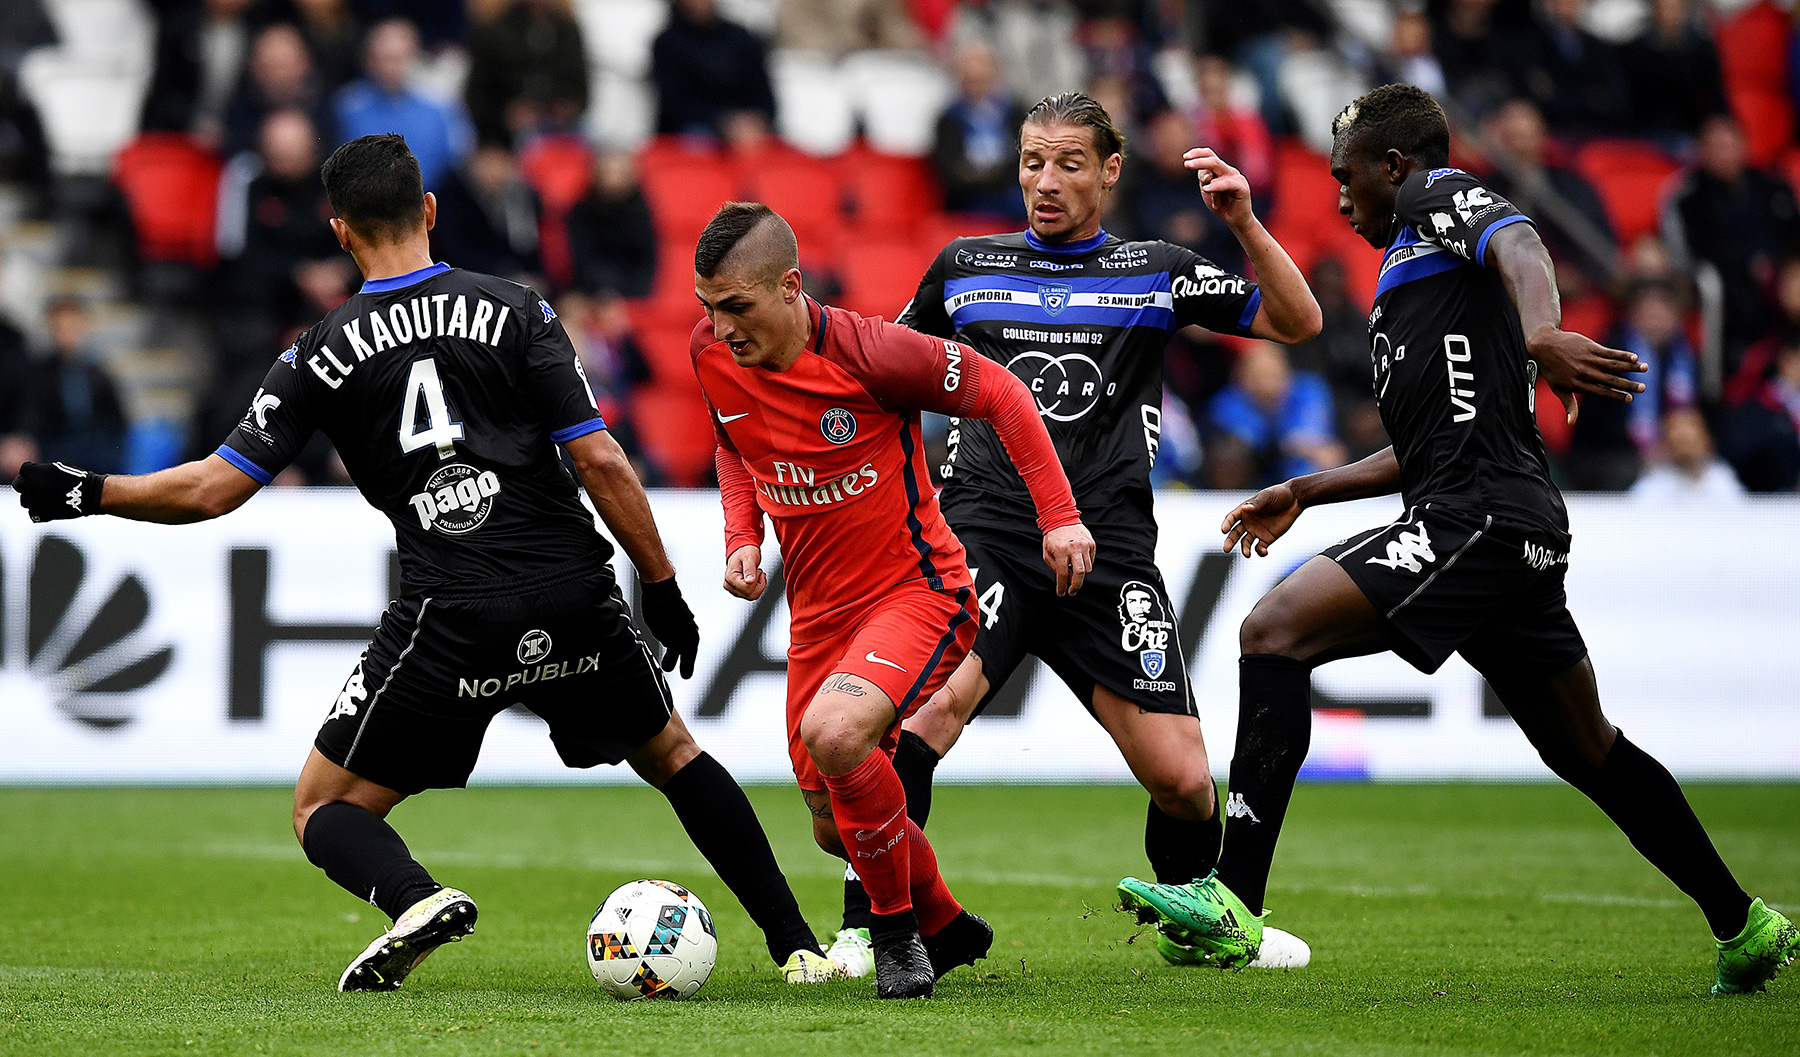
pixel 253 471
pixel 1481 246
pixel 1156 282
pixel 1417 268
pixel 1079 315
pixel 1250 308
pixel 579 429
pixel 399 282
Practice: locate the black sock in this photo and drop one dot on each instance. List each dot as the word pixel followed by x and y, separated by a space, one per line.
pixel 892 926
pixel 1646 802
pixel 718 818
pixel 1179 850
pixel 366 857
pixel 1273 734
pixel 914 762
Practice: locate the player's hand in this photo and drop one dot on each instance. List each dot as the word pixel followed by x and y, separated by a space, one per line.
pixel 1224 189
pixel 1069 552
pixel 672 622
pixel 744 576
pixel 1573 363
pixel 1261 520
pixel 51 491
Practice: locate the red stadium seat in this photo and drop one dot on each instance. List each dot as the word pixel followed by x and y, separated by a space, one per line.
pixel 674 289
pixel 1305 193
pixel 560 169
pixel 685 191
pixel 880 276
pixel 1768 121
pixel 1632 178
pixel 665 349
pixel 672 424
pixel 1753 48
pixel 887 191
pixel 172 188
pixel 805 192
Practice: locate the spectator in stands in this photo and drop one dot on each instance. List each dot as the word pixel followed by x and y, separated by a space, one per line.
pixel 16 443
pixel 334 37
pixel 1759 433
pixel 279 259
pixel 1737 219
pixel 1469 48
pixel 1610 443
pixel 977 148
pixel 440 23
pixel 24 156
pixel 1035 40
pixel 528 72
pixel 600 328
pixel 1180 455
pixel 201 46
pixel 838 27
pixel 1260 37
pixel 487 218
pixel 76 414
pixel 706 69
pixel 279 77
pixel 1111 45
pixel 382 101
pixel 1686 469
pixel 1575 78
pixel 1236 132
pixel 1166 205
pixel 611 235
pixel 1271 423
pixel 1672 71
pixel 1517 129
pixel 1414 62
pixel 1340 355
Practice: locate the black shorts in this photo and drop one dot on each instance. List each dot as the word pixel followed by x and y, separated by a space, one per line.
pixel 1455 582
pixel 1118 631
pixel 413 713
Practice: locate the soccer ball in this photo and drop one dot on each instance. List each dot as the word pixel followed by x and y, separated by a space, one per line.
pixel 651 939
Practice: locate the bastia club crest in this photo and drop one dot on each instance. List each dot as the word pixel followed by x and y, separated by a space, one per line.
pixel 1145 627
pixel 1055 297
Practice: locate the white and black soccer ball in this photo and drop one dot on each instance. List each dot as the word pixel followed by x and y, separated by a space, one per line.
pixel 651 939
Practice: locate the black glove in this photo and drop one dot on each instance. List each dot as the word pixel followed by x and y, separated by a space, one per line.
pixel 672 622
pixel 51 491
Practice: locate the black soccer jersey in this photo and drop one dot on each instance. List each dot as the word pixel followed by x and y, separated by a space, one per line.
pixel 446 393
pixel 1083 325
pixel 1456 389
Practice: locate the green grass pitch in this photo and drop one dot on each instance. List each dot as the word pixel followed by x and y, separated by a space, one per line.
pixel 1444 920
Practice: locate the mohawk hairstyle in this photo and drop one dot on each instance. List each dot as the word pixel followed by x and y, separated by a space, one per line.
pixel 1082 110
pixel 731 225
pixel 1397 117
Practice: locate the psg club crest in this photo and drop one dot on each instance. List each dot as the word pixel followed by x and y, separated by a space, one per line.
pixel 1055 296
pixel 838 425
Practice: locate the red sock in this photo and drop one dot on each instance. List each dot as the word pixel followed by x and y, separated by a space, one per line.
pixel 932 901
pixel 869 806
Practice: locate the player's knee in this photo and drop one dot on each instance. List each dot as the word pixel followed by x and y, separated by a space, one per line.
pixel 1185 793
pixel 834 740
pixel 1268 630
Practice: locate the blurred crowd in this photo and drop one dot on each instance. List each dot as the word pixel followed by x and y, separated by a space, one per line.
pixel 571 144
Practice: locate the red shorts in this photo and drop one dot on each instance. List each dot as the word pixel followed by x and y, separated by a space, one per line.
pixel 907 644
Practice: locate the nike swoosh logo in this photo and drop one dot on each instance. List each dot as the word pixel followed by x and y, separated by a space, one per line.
pixel 877 660
pixel 724 418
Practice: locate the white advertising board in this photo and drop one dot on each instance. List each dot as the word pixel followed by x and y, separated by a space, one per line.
pixel 210 653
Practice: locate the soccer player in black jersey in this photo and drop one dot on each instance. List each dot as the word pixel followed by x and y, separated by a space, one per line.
pixel 446 394
pixel 1466 318
pixel 1083 318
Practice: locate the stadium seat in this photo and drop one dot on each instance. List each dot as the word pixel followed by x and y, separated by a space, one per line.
pixel 1632 177
pixel 685 192
pixel 884 189
pixel 813 105
pixel 625 117
pixel 899 97
pixel 172 188
pixel 619 33
pixel 664 343
pixel 1753 48
pixel 880 277
pixel 560 169
pixel 672 424
pixel 674 287
pixel 1768 121
pixel 805 191
pixel 1305 193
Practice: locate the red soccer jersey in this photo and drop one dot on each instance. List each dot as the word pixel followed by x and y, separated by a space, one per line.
pixel 831 450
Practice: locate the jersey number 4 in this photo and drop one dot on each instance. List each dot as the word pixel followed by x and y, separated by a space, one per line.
pixel 438 429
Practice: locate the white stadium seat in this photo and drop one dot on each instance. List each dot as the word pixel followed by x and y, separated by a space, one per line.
pixel 618 33
pixel 813 104
pixel 899 96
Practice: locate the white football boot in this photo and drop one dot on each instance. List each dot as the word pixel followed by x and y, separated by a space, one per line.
pixel 853 952
pixel 445 916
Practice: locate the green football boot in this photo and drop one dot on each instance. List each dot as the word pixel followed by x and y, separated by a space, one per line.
pixel 1204 915
pixel 1749 960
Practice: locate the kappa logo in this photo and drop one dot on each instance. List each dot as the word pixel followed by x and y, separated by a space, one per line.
pixel 1410 551
pixel 1236 808
pixel 549 313
pixel 291 355
pixel 1145 627
pixel 1434 175
pixel 73 495
pixel 351 697
pixel 838 425
pixel 534 646
pixel 1055 297
pixel 84 639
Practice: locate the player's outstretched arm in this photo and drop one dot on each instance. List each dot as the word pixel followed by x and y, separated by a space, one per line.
pixel 1571 363
pixel 618 495
pixel 1289 313
pixel 744 576
pixel 1266 516
pixel 180 495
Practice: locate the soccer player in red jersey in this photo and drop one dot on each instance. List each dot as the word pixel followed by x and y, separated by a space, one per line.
pixel 817 415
